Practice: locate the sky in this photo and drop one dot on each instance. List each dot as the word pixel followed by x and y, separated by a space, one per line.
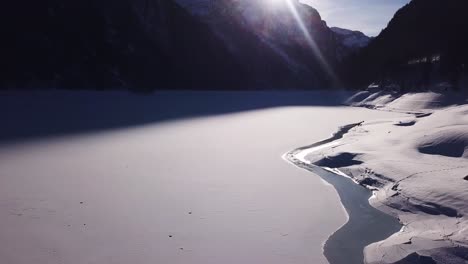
pixel 368 16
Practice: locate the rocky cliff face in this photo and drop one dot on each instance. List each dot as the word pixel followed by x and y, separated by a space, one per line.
pixel 287 44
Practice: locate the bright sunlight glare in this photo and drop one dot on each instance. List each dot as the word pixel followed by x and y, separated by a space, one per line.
pixel 275 3
pixel 291 6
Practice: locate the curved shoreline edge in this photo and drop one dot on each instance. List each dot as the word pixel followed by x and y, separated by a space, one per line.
pixel 347 243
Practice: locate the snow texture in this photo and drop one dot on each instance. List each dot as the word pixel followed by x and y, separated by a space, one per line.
pixel 417 164
pixel 188 189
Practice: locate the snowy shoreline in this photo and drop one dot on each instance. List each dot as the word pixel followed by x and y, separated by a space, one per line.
pixel 333 249
pixel 416 165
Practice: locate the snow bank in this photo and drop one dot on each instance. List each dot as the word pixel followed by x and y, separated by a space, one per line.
pixel 450 142
pixel 371 100
pixel 418 165
pixel 411 102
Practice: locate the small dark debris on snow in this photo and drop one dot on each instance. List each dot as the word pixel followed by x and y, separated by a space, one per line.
pixel 181 248
pixel 421 115
pixel 466 178
pixel 170 235
pixel 81 202
pixel 189 212
pixel 368 182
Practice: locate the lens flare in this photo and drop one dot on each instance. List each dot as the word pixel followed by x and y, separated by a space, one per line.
pixel 310 40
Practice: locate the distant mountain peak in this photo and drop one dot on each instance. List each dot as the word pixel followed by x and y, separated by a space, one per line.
pixel 351 38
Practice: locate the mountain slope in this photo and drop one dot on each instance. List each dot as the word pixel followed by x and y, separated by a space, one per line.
pixel 289 45
pixel 432 31
pixel 352 39
pixel 102 44
pixel 349 42
pixel 157 44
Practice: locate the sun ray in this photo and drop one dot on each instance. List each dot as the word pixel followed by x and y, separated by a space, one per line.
pixel 310 40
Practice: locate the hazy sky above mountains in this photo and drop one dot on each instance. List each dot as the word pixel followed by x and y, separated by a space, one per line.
pixel 368 16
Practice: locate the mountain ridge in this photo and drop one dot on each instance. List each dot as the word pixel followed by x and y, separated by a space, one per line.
pixel 105 44
pixel 424 44
pixel 353 39
pixel 158 44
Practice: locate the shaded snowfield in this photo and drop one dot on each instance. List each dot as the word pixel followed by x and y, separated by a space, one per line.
pixel 419 167
pixel 200 190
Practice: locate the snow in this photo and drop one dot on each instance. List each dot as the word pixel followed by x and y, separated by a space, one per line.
pixel 342 31
pixel 213 188
pixel 351 38
pixel 417 163
pixel 449 141
pixel 206 189
pixel 410 102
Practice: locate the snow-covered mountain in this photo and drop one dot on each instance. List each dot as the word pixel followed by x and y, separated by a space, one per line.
pixel 352 39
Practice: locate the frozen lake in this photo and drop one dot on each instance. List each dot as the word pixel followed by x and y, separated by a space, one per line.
pixel 209 187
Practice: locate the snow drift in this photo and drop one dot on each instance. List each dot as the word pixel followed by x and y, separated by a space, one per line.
pixel 450 142
pixel 417 164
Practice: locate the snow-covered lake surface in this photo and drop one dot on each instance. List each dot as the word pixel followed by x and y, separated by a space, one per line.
pixel 207 188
